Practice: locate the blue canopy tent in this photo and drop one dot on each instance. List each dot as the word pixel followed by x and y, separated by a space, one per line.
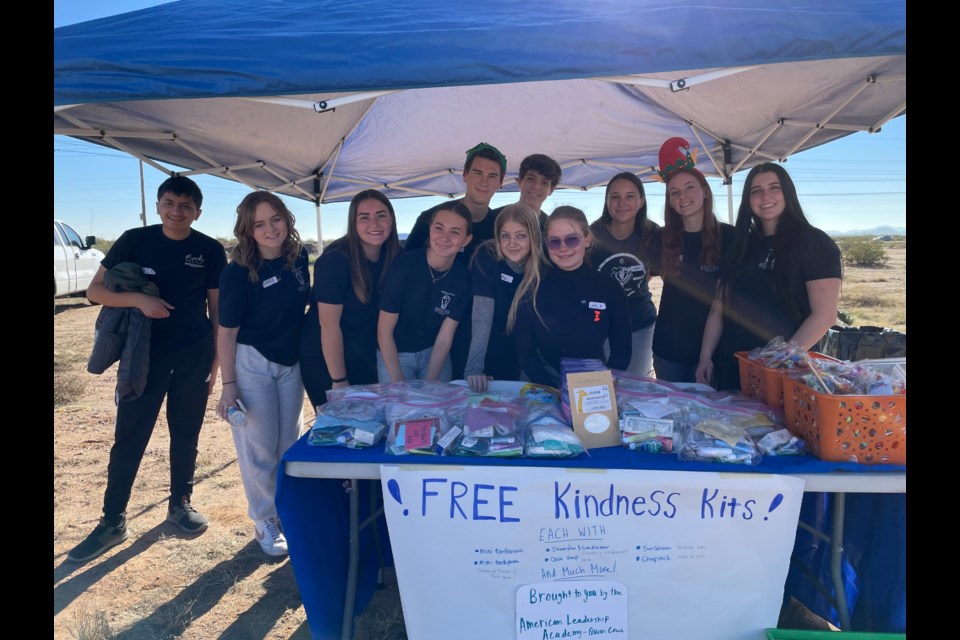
pixel 321 99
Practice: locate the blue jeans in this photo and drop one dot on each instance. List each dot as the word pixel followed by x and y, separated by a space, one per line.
pixel 414 365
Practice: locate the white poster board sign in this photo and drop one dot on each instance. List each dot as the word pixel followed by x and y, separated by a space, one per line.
pixel 701 554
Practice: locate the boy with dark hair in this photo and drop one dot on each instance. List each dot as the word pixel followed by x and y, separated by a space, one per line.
pixel 539 176
pixel 185 265
pixel 483 174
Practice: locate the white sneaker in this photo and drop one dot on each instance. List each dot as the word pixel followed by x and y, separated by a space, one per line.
pixel 270 537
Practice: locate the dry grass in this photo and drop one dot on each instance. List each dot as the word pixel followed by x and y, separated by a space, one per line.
pixel 876 296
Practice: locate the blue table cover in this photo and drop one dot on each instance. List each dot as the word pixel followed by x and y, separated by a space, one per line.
pixel 315 516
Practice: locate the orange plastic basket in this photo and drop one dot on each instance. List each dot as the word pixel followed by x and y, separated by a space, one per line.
pixel 863 429
pixel 759 380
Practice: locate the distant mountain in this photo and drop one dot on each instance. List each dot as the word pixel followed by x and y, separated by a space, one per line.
pixel 875 231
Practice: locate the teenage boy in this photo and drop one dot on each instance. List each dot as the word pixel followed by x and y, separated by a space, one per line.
pixel 185 265
pixel 483 175
pixel 539 177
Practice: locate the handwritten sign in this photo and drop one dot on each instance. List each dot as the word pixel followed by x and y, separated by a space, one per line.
pixel 467 540
pixel 581 609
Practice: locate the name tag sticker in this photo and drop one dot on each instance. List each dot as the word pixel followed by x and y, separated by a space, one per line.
pixel 506 278
pixel 149 271
pixel 269 282
pixel 597 305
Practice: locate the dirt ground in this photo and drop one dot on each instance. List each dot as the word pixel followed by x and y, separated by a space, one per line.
pixel 162 583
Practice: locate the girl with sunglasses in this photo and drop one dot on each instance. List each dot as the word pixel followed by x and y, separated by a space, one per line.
pixel 503 271
pixel 574 310
pixel 626 241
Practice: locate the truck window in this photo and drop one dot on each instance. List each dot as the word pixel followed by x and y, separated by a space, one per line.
pixel 72 236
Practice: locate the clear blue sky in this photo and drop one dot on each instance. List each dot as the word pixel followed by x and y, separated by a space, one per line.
pixel 858 182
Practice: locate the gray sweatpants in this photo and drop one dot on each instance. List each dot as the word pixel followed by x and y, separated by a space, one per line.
pixel 273 396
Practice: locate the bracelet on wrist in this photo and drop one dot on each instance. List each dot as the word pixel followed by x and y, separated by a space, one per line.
pixel 338 380
pixel 231 382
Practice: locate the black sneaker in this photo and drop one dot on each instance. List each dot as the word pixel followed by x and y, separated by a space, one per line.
pixel 186 517
pixel 104 536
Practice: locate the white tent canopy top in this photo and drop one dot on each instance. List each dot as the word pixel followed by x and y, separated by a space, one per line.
pixel 319 100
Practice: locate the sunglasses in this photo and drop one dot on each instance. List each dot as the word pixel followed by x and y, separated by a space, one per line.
pixel 571 242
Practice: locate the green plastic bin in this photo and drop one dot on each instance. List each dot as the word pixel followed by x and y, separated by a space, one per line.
pixel 806 634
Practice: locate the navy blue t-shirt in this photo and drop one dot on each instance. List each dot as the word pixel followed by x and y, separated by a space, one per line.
pixel 493 278
pixel 268 312
pixel 423 305
pixel 358 320
pixel 183 270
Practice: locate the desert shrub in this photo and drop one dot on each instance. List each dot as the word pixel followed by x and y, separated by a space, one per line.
pixel 104 245
pixel 92 627
pixel 67 385
pixel 844 317
pixel 864 252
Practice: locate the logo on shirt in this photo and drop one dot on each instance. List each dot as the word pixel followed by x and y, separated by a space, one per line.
pixel 627 270
pixel 506 278
pixel 770 262
pixel 301 280
pixel 195 262
pixel 445 301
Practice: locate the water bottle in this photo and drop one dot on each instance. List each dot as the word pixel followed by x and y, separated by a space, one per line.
pixel 237 416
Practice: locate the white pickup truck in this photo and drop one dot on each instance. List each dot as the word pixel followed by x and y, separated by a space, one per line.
pixel 75 261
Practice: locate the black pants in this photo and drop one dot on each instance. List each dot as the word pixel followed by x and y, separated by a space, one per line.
pixel 361 364
pixel 181 376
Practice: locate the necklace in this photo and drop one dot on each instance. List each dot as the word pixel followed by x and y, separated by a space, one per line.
pixel 276 275
pixel 433 276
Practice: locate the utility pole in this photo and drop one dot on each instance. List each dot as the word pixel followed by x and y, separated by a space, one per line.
pixel 143 198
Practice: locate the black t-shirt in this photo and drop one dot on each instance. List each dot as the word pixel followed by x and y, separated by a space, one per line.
pixel 754 314
pixel 420 234
pixel 628 262
pixel 358 320
pixel 688 292
pixel 423 305
pixel 580 309
pixel 268 312
pixel 495 279
pixel 184 270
